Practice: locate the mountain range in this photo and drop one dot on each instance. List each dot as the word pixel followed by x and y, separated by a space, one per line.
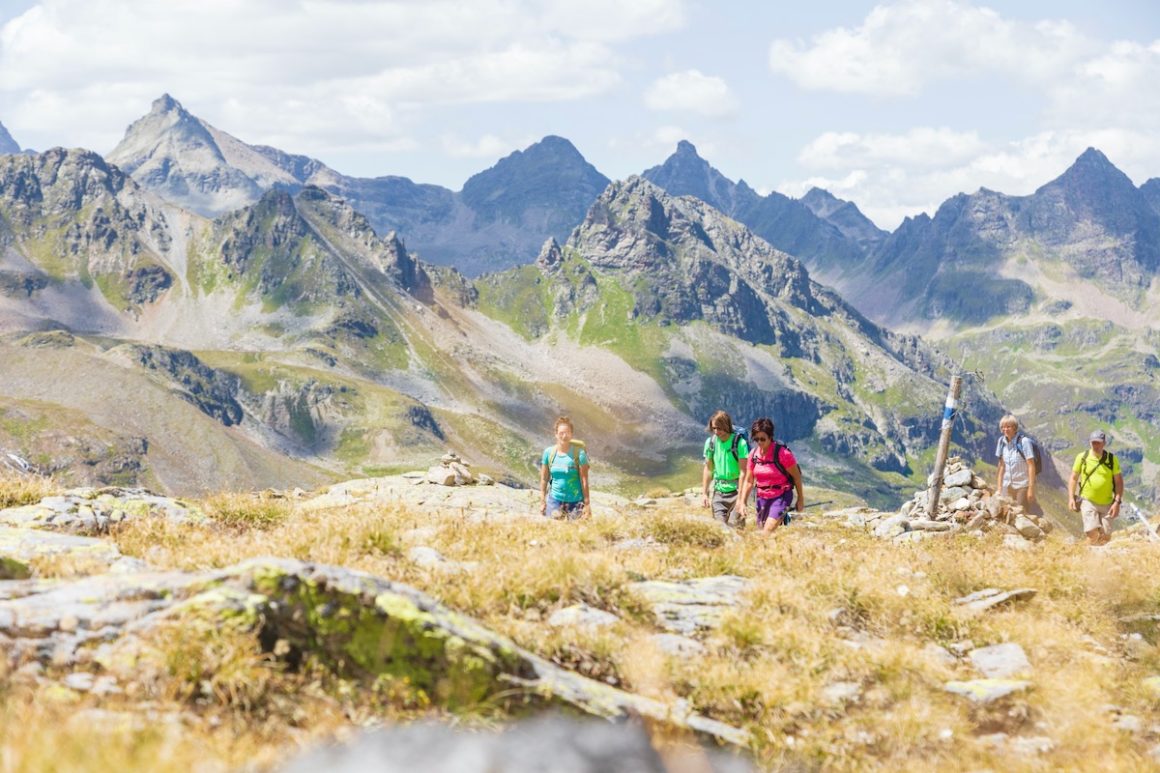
pixel 293 330
pixel 304 287
pixel 499 219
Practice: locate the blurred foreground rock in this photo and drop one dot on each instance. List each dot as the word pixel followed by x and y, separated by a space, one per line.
pixel 359 625
pixel 554 743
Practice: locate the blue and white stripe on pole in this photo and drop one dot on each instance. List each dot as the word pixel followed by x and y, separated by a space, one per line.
pixel 949 409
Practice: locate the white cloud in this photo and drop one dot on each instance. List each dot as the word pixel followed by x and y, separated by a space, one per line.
pixel 1117 87
pixel 903 46
pixel 488 146
pixel 313 73
pixel 887 189
pixel 693 92
pixel 920 146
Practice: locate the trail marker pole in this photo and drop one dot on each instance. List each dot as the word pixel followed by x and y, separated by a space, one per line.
pixel 944 442
pixel 1151 532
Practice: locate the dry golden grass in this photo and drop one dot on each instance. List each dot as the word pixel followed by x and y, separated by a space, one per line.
pixel 17 489
pixel 766 668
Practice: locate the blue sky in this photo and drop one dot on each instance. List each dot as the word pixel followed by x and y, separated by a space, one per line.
pixel 895 105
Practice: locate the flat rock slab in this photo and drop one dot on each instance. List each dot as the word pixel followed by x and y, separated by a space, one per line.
pixel 27 545
pixel 475 503
pixel 1000 661
pixel 980 601
pixel 95 511
pixel 360 625
pixel 689 606
pixel 987 690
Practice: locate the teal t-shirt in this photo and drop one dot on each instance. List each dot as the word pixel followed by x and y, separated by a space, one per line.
pixel 565 474
pixel 726 469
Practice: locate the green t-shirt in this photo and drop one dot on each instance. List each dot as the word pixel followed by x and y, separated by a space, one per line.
pixel 1098 486
pixel 726 469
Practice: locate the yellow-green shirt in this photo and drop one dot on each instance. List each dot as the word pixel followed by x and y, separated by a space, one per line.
pixel 1096 477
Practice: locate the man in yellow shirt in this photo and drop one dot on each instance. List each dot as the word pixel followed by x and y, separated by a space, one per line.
pixel 1096 488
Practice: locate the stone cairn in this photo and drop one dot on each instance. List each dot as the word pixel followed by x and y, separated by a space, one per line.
pixel 453 471
pixel 966 503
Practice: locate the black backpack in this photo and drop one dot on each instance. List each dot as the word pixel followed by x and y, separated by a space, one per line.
pixel 1108 460
pixel 1036 457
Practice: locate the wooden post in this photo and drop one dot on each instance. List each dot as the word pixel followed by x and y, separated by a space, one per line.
pixel 944 442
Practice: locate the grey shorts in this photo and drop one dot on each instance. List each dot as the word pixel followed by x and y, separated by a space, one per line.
pixel 724 506
pixel 1095 516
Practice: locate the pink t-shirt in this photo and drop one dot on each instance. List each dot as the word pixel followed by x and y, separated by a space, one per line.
pixel 770 482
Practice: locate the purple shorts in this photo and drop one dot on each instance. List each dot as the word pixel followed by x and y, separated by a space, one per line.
pixel 773 508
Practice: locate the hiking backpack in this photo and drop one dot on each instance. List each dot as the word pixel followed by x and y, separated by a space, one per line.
pixel 776 461
pixel 1108 460
pixel 574 448
pixel 1036 457
pixel 734 444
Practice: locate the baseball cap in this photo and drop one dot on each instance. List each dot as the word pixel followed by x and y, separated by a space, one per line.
pixel 1098 435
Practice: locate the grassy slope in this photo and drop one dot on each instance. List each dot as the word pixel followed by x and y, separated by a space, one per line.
pixel 766 669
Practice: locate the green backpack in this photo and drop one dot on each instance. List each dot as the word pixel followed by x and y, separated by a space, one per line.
pixel 574 449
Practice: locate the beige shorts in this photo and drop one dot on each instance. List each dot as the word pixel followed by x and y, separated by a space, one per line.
pixel 1095 516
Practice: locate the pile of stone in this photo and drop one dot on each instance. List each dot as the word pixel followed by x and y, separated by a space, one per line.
pixel 453 471
pixel 966 503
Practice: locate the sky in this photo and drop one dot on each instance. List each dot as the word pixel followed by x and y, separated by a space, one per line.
pixel 895 105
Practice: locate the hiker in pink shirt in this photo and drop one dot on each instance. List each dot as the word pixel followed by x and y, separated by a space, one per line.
pixel 774 470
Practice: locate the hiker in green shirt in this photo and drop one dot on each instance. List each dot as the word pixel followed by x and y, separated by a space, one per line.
pixel 1096 488
pixel 723 451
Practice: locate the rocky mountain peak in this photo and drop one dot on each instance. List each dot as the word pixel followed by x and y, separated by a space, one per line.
pixel 183 158
pixel 7 144
pixel 550 254
pixel 1092 174
pixel 845 216
pixel 166 104
pixel 548 175
pixel 166 131
pixel 685 173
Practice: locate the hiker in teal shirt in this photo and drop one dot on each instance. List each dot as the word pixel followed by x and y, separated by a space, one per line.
pixel 723 451
pixel 565 467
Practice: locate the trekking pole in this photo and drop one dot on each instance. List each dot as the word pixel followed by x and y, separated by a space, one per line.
pixel 1152 535
pixel 818 504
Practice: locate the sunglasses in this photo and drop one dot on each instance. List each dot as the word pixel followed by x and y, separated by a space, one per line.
pixel 761 438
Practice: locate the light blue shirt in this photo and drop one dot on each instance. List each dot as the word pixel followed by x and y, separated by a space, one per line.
pixel 1014 464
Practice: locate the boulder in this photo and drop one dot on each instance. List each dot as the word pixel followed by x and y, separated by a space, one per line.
pixel 360 626
pixel 1026 527
pixel 959 478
